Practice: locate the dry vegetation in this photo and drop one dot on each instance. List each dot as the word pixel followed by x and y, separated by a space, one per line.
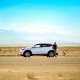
pixel 9 71
pixel 43 71
pixel 30 75
pixel 63 51
pixel 10 51
pixel 60 74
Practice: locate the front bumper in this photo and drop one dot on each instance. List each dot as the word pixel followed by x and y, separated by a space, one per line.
pixel 21 52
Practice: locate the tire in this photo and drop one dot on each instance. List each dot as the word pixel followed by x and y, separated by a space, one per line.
pixel 56 53
pixel 50 54
pixel 27 54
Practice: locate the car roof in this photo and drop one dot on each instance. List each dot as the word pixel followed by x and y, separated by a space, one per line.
pixel 44 44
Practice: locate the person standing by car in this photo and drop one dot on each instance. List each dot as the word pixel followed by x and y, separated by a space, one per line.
pixel 54 47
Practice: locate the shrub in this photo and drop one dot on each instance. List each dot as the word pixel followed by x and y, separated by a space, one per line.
pixel 64 53
pixel 30 75
pixel 60 74
pixel 9 71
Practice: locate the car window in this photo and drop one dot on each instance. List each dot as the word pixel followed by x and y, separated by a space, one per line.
pixel 43 45
pixel 49 45
pixel 46 45
pixel 36 46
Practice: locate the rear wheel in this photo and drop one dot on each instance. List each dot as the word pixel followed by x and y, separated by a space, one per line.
pixel 50 54
pixel 27 54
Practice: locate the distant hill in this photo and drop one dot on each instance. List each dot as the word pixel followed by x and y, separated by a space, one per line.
pixel 13 37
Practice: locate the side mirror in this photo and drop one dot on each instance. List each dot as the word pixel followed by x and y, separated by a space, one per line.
pixel 33 47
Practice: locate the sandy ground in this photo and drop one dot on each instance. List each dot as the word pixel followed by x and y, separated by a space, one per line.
pixel 60 68
pixel 64 67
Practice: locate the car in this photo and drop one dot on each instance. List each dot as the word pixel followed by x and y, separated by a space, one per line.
pixel 38 49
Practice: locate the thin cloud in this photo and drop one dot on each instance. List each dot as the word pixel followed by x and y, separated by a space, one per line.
pixel 33 28
pixel 40 28
pixel 16 24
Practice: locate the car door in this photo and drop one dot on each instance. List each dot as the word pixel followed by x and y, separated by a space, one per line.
pixel 36 49
pixel 45 49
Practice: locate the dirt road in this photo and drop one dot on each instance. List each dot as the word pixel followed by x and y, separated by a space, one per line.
pixel 60 68
pixel 38 60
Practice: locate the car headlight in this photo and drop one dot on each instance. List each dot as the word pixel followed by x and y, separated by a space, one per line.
pixel 23 49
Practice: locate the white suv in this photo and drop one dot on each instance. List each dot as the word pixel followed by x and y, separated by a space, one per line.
pixel 38 49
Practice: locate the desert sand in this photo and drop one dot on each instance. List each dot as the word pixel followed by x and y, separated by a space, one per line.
pixel 66 66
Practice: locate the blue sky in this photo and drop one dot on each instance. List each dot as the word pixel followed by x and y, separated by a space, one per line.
pixel 22 20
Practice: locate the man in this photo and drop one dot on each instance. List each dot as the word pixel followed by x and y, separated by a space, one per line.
pixel 54 47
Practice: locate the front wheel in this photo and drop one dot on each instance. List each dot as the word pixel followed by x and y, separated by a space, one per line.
pixel 27 54
pixel 50 54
